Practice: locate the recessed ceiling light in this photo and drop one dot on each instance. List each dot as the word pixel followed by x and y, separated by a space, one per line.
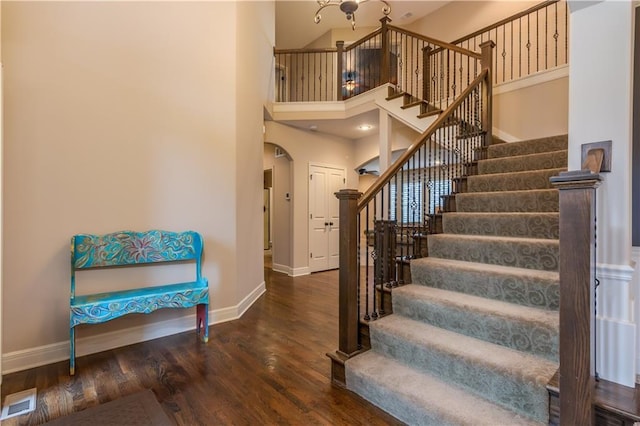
pixel 365 127
pixel 313 127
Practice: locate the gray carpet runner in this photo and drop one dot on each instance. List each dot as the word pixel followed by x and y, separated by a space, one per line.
pixel 474 339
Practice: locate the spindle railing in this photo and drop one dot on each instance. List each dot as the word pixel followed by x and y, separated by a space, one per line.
pixel 528 42
pixel 428 69
pixel 388 225
pixel 388 55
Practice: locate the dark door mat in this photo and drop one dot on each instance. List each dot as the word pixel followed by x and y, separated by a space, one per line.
pixel 138 409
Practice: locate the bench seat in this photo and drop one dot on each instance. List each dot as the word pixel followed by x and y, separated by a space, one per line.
pixel 129 248
pixel 100 307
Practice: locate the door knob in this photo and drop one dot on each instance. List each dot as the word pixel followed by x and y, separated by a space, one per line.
pixel 326 224
pixel 331 223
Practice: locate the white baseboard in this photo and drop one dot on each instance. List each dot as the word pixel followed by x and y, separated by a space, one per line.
pixel 292 272
pixel 505 136
pixel 616 346
pixel 615 324
pixel 284 269
pixel 540 77
pixel 298 272
pixel 55 352
pixel 635 257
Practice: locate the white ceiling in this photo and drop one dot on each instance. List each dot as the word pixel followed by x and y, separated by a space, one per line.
pixel 295 27
pixel 346 128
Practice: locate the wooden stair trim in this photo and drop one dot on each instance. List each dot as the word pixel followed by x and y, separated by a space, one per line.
pixel 614 404
pixel 429 113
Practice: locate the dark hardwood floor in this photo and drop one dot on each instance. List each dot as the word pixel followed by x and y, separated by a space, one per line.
pixel 269 367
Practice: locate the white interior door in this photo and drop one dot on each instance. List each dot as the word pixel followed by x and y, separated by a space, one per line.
pixel 324 222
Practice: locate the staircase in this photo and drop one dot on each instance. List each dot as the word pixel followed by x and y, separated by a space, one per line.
pixel 474 338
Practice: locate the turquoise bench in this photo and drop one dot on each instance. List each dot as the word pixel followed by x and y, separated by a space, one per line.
pixel 128 248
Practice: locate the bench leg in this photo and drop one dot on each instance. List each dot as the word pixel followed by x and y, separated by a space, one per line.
pixel 72 351
pixel 202 321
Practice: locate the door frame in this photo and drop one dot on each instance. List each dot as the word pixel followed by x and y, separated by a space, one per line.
pixel 309 166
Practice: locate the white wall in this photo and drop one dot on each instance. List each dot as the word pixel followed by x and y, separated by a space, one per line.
pixel 255 73
pixel 600 108
pixel 469 16
pixel 1 190
pixel 522 111
pixel 368 148
pixel 129 115
pixel 305 147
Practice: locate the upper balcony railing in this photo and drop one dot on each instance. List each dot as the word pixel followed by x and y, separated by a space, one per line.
pixel 534 40
pixel 428 69
pixel 388 55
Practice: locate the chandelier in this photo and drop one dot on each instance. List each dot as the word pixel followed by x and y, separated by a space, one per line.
pixel 349 8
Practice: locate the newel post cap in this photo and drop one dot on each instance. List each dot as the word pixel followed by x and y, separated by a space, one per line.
pixel 348 194
pixel 576 179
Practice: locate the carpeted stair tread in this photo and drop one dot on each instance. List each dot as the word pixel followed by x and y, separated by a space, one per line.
pixel 514 224
pixel 518 327
pixel 418 398
pixel 517 181
pixel 510 378
pixel 527 287
pixel 521 163
pixel 530 253
pixel 540 200
pixel 552 143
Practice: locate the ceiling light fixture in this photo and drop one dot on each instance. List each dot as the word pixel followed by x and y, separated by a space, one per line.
pixel 349 8
pixel 365 127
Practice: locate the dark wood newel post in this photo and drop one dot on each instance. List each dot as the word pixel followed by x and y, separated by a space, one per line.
pixel 348 284
pixel 339 66
pixel 486 63
pixel 426 73
pixel 577 286
pixel 386 50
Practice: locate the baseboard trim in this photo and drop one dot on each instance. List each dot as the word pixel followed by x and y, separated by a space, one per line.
pixel 532 80
pixel 292 272
pixel 635 282
pixel 298 272
pixel 56 352
pixel 284 269
pixel 615 326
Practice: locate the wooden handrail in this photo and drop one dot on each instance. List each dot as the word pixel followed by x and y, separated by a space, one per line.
pixel 363 40
pixel 499 23
pixel 415 146
pixel 442 44
pixel 317 50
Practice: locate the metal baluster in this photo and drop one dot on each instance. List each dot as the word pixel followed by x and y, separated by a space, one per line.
pixel 537 41
pixel 511 53
pixel 528 45
pixel 367 317
pixel 377 258
pixel 546 37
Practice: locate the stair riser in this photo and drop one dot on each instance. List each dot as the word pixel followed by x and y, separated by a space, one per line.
pixel 543 294
pixel 534 338
pixel 522 396
pixel 533 254
pixel 401 408
pixel 448 203
pixel 526 201
pixel 554 143
pixel 550 160
pixel 525 226
pixel 512 181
